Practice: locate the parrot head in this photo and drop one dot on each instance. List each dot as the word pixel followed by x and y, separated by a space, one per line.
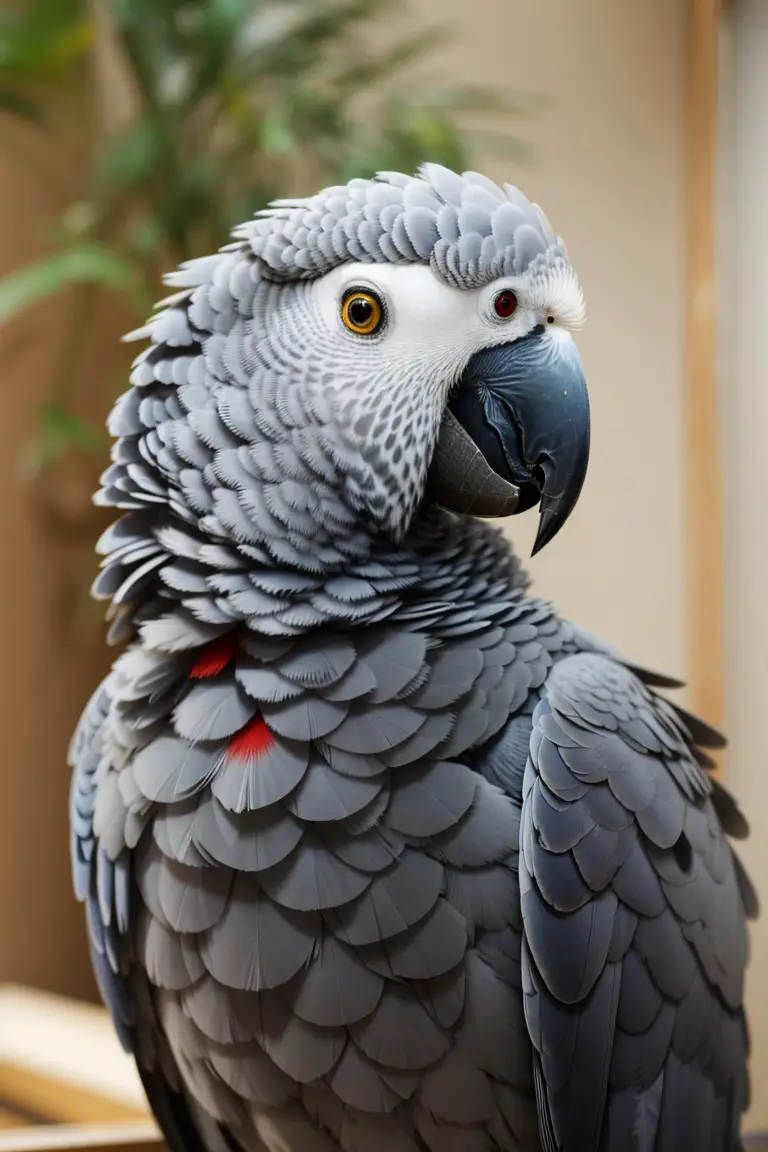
pixel 417 330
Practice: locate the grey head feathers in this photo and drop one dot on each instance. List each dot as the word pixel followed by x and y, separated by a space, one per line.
pixel 468 229
pixel 259 437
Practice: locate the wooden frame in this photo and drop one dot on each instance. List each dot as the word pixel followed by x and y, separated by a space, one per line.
pixel 704 489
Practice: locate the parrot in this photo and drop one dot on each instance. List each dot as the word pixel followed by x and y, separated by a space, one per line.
pixel 378 852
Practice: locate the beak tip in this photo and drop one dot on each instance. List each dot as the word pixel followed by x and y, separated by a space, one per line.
pixel 549 525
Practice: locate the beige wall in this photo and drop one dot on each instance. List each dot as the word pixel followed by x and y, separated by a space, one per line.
pixel 608 172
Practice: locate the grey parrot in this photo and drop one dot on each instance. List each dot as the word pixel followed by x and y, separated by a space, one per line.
pixel 379 854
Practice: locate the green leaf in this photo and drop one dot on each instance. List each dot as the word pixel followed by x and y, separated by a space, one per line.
pixel 43 39
pixel 22 106
pixel 502 147
pixel 78 221
pixel 361 74
pixel 146 238
pixel 277 139
pixel 132 158
pixel 471 98
pixel 90 264
pixel 61 431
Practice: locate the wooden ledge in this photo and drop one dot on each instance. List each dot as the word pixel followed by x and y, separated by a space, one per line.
pixel 121 1137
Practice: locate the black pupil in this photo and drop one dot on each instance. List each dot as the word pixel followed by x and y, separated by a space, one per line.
pixel 360 311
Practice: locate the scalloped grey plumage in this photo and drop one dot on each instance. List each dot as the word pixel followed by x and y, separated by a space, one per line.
pixel 467 228
pixel 378 852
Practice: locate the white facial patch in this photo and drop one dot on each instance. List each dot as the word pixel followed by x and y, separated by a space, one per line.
pixel 387 390
pixel 557 293
pixel 435 326
pixel 428 325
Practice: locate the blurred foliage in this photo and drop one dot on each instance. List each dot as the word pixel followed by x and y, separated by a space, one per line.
pixel 233 103
pixel 38 45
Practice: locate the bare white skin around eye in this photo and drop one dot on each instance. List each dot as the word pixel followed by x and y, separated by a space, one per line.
pixel 427 320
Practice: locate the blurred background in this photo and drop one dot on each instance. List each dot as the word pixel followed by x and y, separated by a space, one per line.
pixel 135 133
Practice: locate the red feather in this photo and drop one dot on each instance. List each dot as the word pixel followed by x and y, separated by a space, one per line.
pixel 253 740
pixel 215 657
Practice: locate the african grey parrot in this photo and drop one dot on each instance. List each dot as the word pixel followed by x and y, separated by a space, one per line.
pixel 380 854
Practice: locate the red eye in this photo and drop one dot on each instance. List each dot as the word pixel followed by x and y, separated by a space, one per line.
pixel 505 304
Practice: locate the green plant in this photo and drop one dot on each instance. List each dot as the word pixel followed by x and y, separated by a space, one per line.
pixel 38 44
pixel 233 102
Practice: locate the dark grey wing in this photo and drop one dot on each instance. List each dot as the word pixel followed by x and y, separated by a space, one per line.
pixel 101 864
pixel 634 915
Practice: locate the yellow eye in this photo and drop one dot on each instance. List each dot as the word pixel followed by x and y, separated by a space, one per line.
pixel 362 312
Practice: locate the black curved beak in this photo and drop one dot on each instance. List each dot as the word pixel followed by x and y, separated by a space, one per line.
pixel 516 434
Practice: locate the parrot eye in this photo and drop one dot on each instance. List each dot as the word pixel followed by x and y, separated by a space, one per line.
pixel 505 304
pixel 362 312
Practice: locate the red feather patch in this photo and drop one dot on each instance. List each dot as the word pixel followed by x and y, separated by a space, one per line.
pixel 253 740
pixel 215 657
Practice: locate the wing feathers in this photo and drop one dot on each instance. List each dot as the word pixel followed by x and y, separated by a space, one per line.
pixel 634 917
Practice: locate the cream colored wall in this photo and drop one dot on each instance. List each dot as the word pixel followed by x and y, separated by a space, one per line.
pixel 744 396
pixel 608 171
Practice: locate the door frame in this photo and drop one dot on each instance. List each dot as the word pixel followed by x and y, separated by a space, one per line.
pixel 705 630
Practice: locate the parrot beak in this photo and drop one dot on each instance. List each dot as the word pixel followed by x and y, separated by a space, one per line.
pixel 516 433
